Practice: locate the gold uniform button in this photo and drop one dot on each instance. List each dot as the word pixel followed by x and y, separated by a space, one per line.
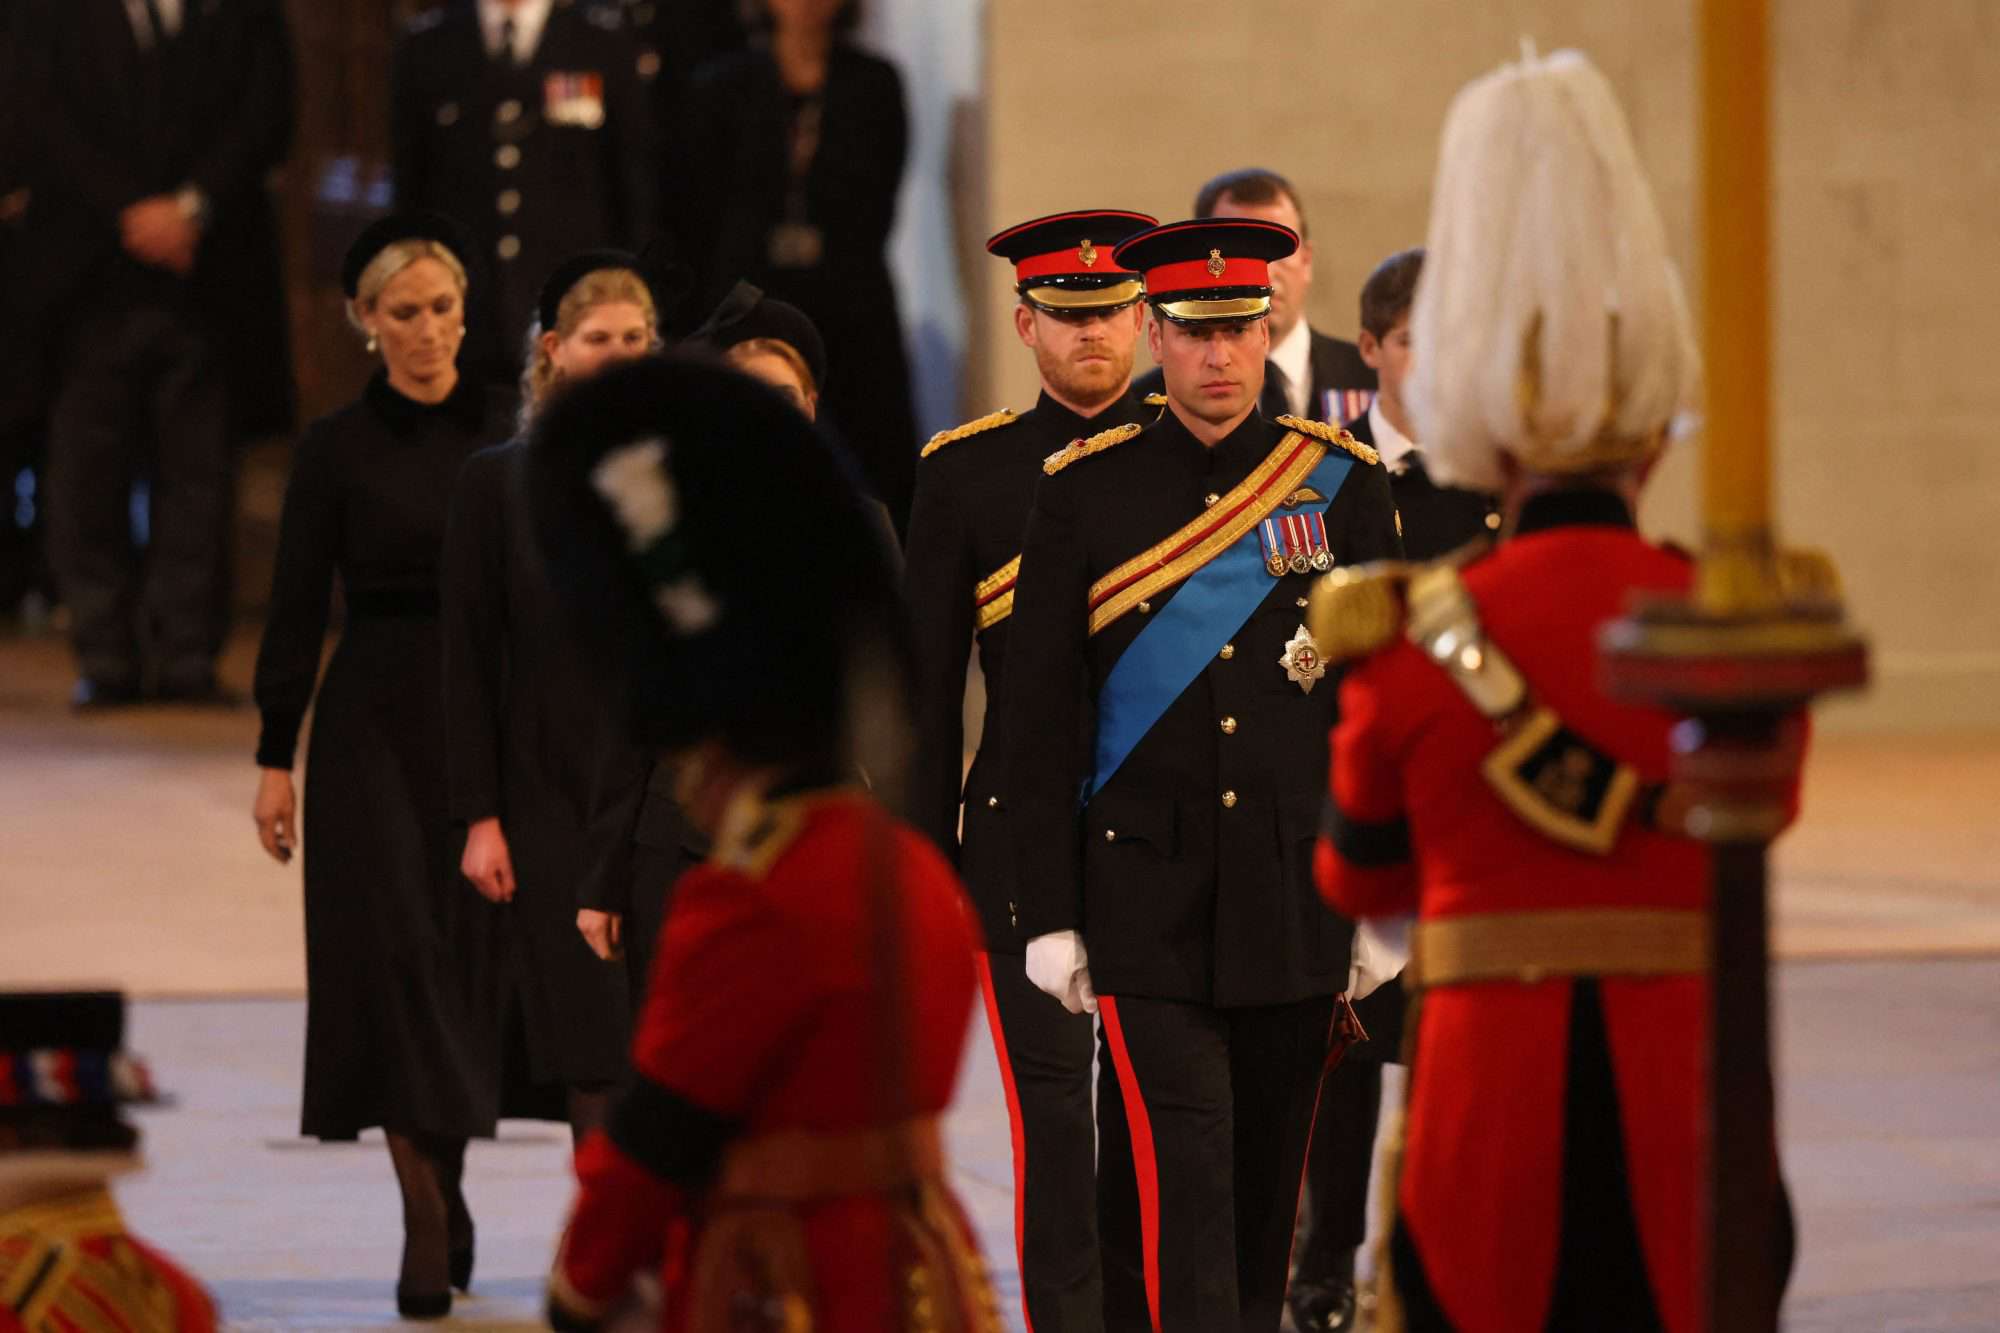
pixel 506 157
pixel 1302 603
pixel 507 112
pixel 1493 521
pixel 1229 800
pixel 509 247
pixel 1145 608
pixel 1111 835
pixel 993 803
pixel 1228 726
pixel 1211 499
pixel 1228 651
pixel 509 203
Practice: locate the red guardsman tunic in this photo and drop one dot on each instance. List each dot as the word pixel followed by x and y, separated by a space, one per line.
pixel 768 1029
pixel 1494 1110
pixel 67 1265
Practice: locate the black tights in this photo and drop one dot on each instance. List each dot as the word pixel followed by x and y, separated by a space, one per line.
pixel 430 1170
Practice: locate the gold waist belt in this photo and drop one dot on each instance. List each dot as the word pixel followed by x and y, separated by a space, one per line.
pixel 1534 946
pixel 798 1166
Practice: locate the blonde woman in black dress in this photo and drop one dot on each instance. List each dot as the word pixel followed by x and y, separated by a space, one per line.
pixel 401 960
pixel 526 729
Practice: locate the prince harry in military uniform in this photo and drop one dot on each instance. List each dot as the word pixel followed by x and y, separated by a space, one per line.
pixel 1164 865
pixel 1080 314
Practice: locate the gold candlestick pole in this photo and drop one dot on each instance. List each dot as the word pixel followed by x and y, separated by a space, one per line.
pixel 1762 636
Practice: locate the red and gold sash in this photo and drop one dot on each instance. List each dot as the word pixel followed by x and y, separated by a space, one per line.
pixel 1225 522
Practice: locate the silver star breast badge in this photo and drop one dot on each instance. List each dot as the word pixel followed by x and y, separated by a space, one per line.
pixel 1302 663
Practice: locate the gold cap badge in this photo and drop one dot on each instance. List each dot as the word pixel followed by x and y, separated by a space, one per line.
pixel 1086 254
pixel 1216 263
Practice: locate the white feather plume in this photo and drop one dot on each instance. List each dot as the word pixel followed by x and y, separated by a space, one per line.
pixel 1540 213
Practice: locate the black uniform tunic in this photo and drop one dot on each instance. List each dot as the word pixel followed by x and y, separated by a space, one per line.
pixel 735 149
pixel 538 160
pixel 523 729
pixel 971 508
pixel 1435 520
pixel 402 955
pixel 1196 896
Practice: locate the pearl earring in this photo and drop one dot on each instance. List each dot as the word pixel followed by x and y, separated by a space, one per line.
pixel 373 346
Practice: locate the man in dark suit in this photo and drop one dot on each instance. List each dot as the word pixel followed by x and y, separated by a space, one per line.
pixel 528 122
pixel 1433 520
pixel 156 125
pixel 1308 373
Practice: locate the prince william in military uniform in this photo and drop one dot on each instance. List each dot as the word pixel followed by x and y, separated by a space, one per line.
pixel 1165 862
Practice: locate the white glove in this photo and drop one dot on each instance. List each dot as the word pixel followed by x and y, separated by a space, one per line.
pixel 1058 964
pixel 1381 952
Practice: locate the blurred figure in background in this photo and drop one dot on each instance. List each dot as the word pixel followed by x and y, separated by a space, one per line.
pixel 403 961
pixel 157 123
pixel 66 1259
pixel 527 121
pixel 791 155
pixel 523 727
pixel 650 843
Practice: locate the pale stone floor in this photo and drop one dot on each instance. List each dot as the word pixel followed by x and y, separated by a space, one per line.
pixel 130 859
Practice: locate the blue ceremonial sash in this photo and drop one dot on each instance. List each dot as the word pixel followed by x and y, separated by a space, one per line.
pixel 1207 611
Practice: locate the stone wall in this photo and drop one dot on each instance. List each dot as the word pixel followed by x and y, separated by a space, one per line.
pixel 1888 279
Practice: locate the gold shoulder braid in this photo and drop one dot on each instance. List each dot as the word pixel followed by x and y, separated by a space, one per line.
pixel 1320 430
pixel 1096 444
pixel 1154 400
pixel 1357 609
pixel 973 427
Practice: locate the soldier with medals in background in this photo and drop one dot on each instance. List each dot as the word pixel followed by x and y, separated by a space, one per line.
pixel 66 1258
pixel 777 1157
pixel 528 122
pixel 1080 314
pixel 1482 779
pixel 1165 863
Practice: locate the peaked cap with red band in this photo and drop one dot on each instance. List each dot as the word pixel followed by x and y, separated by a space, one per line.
pixel 1209 268
pixel 1064 261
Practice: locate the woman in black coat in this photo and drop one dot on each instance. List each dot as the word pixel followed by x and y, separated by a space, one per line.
pixel 402 959
pixel 790 156
pixel 526 729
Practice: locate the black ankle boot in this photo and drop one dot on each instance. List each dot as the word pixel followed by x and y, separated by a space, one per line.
pixel 461 1267
pixel 422 1304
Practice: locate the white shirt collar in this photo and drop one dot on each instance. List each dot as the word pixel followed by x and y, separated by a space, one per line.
pixel 1293 355
pixel 530 17
pixel 1392 444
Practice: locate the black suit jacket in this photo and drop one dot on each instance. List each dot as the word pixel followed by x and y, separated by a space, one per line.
pixel 1341 381
pixel 1435 520
pixel 971 507
pixel 114 123
pixel 1190 872
pixel 538 161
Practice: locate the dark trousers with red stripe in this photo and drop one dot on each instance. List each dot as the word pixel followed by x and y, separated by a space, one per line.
pixel 1221 1109
pixel 1074 1197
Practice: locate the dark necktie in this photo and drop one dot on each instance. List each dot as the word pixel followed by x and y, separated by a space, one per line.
pixel 1276 400
pixel 506 52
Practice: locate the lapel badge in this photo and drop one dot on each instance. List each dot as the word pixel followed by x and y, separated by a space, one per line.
pixel 1216 264
pixel 1302 663
pixel 1086 254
